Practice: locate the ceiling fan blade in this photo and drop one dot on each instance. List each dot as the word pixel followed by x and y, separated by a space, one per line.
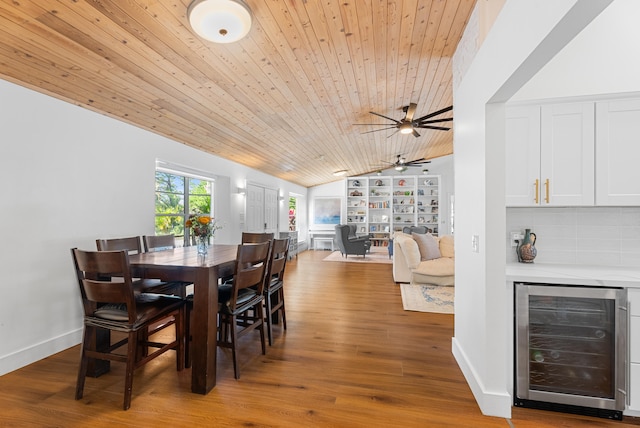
pixel 411 110
pixel 393 133
pixel 418 160
pixel 386 117
pixel 423 122
pixel 373 124
pixel 440 128
pixel 376 130
pixel 414 163
pixel 415 133
pixel 435 113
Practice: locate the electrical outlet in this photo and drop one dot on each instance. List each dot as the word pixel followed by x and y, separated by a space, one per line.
pixel 515 237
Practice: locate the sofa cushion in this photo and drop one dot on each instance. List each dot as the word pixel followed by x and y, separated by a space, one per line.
pixel 443 266
pixel 409 248
pixel 427 245
pixel 446 246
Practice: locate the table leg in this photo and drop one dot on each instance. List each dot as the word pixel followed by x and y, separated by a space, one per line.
pixel 204 330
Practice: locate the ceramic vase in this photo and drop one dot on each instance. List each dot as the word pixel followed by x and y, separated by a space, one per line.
pixel 526 249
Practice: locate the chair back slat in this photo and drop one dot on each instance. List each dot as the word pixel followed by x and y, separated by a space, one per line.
pixel 256 238
pixel 131 245
pixel 158 242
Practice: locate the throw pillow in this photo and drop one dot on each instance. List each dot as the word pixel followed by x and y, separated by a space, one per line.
pixel 427 245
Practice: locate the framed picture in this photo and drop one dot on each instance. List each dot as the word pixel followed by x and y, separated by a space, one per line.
pixel 326 211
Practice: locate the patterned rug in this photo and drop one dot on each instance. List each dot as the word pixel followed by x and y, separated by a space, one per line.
pixel 427 298
pixel 377 255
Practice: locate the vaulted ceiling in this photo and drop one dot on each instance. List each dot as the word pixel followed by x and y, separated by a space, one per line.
pixel 285 100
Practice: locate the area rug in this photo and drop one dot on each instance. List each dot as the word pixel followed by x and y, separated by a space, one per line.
pixel 377 255
pixel 427 298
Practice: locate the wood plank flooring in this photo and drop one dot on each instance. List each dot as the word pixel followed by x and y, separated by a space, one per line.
pixel 351 357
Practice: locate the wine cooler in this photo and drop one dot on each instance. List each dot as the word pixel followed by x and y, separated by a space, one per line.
pixel 571 348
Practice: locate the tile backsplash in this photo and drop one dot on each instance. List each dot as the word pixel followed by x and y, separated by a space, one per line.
pixel 608 236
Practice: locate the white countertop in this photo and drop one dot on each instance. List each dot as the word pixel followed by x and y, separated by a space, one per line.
pixel 605 276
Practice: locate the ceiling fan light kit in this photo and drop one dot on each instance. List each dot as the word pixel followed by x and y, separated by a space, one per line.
pixel 220 21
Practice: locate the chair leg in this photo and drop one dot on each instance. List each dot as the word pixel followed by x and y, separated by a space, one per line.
pixel 284 313
pixel 234 342
pixel 84 363
pixel 131 364
pixel 180 338
pixel 267 302
pixel 260 319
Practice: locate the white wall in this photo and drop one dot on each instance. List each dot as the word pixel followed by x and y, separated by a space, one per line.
pixel 524 37
pixel 70 176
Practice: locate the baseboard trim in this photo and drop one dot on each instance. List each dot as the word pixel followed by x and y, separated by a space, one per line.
pixel 490 403
pixel 37 352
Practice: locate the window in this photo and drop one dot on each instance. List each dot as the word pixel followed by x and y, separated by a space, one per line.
pixel 177 196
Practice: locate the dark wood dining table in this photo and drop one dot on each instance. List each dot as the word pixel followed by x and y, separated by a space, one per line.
pixel 184 264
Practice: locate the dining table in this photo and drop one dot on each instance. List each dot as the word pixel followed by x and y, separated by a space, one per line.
pixel 204 271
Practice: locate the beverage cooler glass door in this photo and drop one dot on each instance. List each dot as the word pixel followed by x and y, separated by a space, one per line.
pixel 571 345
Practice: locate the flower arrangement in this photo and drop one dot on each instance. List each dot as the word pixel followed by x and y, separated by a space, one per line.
pixel 202 225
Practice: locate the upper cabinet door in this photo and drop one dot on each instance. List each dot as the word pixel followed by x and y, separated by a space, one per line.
pixel 522 153
pixel 567 154
pixel 618 152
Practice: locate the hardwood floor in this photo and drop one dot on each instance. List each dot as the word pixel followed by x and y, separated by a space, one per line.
pixel 351 357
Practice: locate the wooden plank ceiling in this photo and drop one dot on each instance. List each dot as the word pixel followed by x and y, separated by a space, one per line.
pixel 283 100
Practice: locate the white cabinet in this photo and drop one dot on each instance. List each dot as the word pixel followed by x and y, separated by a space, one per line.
pixel 618 152
pixel 550 155
pixel 522 153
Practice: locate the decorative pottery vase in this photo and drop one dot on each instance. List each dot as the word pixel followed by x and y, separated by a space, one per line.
pixel 203 245
pixel 526 249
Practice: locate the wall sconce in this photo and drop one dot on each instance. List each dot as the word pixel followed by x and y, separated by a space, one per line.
pixel 281 198
pixel 241 191
pixel 220 21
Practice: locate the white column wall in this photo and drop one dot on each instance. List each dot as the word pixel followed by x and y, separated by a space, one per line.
pixel 524 37
pixel 70 176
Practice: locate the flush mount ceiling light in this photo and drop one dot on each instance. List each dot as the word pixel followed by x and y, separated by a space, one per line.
pixel 220 21
pixel 340 173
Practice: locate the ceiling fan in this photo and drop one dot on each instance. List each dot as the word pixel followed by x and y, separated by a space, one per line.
pixel 401 164
pixel 408 124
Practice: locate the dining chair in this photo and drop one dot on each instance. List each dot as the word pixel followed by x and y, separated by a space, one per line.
pixel 133 246
pixel 274 285
pixel 111 305
pixel 165 242
pixel 240 302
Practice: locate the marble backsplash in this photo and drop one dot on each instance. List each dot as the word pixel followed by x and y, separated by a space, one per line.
pixel 608 236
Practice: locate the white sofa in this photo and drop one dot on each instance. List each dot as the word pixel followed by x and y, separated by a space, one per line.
pixel 408 266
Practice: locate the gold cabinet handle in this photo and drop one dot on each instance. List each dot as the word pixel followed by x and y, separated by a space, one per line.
pixel 546 185
pixel 537 191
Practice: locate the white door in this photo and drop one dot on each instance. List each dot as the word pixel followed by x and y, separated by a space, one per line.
pixel 522 154
pixel 618 152
pixel 567 154
pixel 262 210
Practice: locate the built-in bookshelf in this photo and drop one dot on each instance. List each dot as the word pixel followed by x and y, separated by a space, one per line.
pixel 380 205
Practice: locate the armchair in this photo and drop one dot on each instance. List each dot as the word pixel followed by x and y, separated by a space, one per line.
pixel 356 245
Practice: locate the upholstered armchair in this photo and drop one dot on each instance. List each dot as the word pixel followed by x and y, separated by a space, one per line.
pixel 356 245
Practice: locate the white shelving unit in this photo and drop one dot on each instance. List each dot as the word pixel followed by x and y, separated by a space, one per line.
pixel 381 205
